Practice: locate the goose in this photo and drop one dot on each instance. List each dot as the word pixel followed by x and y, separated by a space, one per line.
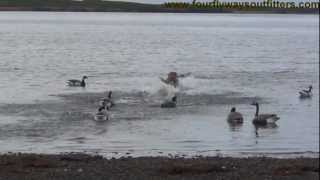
pixel 77 83
pixel 107 102
pixel 306 93
pixel 263 119
pixel 102 114
pixel 235 117
pixel 170 104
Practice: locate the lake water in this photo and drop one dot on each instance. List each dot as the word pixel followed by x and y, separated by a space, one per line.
pixel 233 59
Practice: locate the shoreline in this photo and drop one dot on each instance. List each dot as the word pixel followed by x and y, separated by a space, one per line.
pixel 83 166
pixel 26 9
pixel 161 12
pixel 170 154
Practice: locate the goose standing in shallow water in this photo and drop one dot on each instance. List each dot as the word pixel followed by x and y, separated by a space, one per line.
pixel 170 104
pixel 306 93
pixel 235 117
pixel 263 119
pixel 77 83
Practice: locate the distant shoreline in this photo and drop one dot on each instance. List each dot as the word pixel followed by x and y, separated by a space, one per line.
pixel 12 9
pixel 119 6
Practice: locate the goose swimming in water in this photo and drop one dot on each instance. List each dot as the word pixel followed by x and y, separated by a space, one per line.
pixel 107 102
pixel 235 117
pixel 77 83
pixel 306 93
pixel 263 119
pixel 170 104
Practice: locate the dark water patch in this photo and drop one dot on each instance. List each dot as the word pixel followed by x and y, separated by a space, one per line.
pixel 77 139
pixel 218 99
pixel 35 129
pixel 80 140
pixel 83 106
pixel 71 117
pixel 100 132
pixel 119 142
pixel 53 119
pixel 142 105
pixel 75 116
pixel 189 141
pixel 43 109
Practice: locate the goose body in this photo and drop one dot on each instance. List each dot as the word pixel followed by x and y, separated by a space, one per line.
pixel 263 119
pixel 235 117
pixel 306 93
pixel 170 104
pixel 102 115
pixel 77 83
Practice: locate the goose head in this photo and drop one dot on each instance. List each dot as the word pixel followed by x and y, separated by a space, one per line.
pixel 85 77
pixel 310 87
pixel 233 109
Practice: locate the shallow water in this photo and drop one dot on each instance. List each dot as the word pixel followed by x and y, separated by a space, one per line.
pixel 233 59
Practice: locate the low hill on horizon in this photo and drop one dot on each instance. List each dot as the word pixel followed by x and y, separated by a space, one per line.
pixel 122 6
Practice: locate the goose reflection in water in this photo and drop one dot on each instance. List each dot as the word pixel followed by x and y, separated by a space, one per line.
pixel 270 128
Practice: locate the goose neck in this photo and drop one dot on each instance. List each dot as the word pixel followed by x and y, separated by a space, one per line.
pixel 257 109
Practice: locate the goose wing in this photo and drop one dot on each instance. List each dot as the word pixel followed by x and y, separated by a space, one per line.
pixel 270 118
pixel 304 94
pixel 74 81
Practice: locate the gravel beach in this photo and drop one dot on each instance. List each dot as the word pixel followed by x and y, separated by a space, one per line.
pixel 86 167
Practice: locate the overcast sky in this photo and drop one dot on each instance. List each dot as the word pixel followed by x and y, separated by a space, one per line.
pixel 162 1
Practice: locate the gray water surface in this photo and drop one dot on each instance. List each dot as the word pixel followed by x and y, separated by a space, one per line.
pixel 234 59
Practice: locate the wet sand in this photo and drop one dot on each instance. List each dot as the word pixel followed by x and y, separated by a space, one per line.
pixel 82 166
